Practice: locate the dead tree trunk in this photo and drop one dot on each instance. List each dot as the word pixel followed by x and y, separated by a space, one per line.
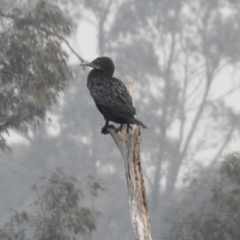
pixel 128 141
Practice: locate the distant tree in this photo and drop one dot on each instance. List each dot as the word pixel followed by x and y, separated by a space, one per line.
pixel 58 212
pixel 176 53
pixel 183 48
pixel 220 217
pixel 33 64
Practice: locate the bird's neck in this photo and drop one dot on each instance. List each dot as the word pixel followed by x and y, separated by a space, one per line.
pixel 97 73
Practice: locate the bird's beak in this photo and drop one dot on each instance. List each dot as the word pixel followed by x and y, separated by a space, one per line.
pixel 87 65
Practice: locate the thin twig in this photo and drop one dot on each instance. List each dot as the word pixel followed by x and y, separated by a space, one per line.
pixel 64 40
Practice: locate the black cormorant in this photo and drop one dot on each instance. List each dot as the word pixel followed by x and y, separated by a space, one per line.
pixel 111 96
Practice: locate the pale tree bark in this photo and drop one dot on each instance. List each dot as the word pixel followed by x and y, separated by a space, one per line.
pixel 128 141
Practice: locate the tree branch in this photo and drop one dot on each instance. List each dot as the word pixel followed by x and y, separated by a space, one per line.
pixel 196 119
pixel 10 16
pixel 182 107
pixel 224 144
pixel 64 40
pixel 128 141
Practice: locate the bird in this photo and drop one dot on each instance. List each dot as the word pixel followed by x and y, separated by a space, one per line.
pixel 110 95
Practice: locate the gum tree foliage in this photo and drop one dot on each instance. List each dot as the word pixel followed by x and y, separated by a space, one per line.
pixel 220 217
pixel 57 213
pixel 33 64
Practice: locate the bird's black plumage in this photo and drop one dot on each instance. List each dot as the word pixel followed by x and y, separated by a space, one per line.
pixel 111 96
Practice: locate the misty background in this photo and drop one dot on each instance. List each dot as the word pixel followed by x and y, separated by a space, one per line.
pixel 182 58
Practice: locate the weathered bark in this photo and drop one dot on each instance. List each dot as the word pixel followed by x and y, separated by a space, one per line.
pixel 128 140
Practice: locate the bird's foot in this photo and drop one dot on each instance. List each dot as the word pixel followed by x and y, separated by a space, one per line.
pixel 105 129
pixel 129 127
pixel 120 128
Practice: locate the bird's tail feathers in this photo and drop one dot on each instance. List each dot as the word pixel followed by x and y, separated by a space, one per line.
pixel 139 123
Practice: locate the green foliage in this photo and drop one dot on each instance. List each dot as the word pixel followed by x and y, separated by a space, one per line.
pixel 221 220
pixel 33 65
pixel 57 212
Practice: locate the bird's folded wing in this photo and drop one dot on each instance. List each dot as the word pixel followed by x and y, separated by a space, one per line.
pixel 112 94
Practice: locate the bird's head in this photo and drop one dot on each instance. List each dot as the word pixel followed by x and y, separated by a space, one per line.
pixel 102 64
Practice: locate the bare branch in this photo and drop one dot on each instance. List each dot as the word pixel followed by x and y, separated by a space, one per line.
pixel 10 16
pixel 197 116
pixel 64 40
pixel 182 108
pixel 232 90
pixel 128 141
